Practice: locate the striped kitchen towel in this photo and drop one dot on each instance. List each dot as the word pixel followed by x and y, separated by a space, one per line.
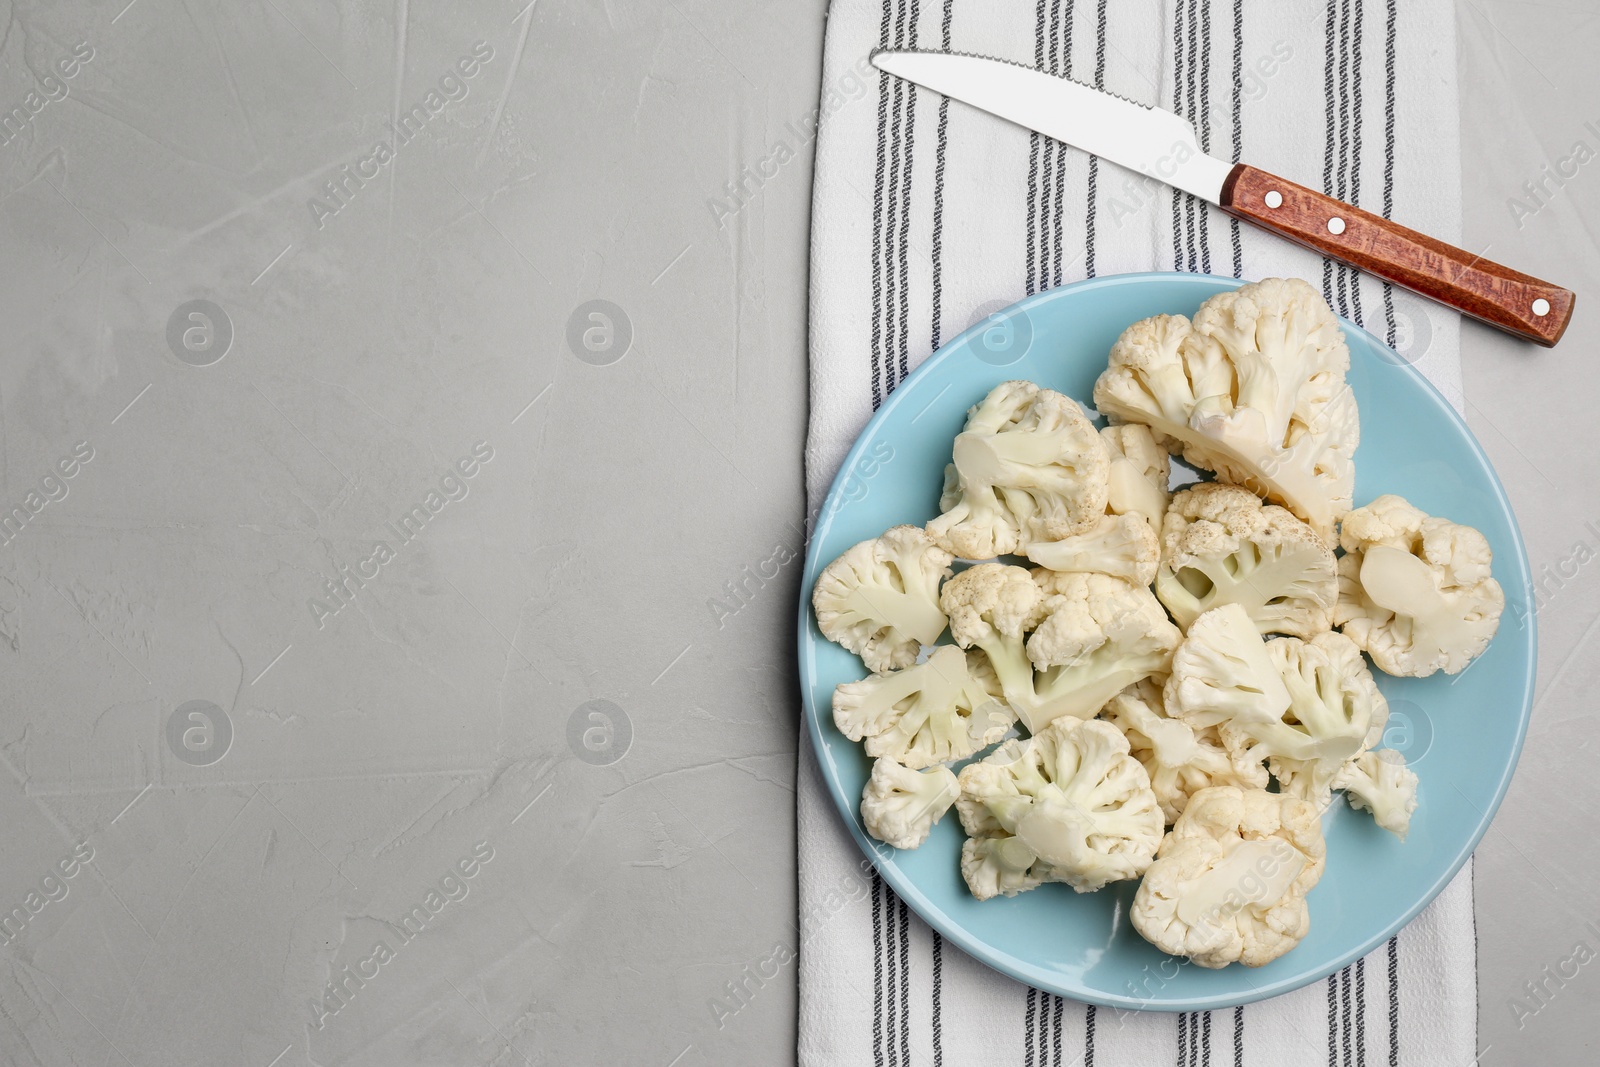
pixel 927 216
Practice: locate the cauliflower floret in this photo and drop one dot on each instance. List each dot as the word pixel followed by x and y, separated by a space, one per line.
pixel 1415 590
pixel 1140 469
pixel 992 607
pixel 1179 759
pixel 900 805
pixel 943 709
pixel 1123 546
pixel 1221 545
pixel 1221 673
pixel 1230 882
pixel 1001 866
pixel 1380 782
pixel 1335 713
pixel 1253 388
pixel 881 598
pixel 1306 708
pixel 1098 636
pixel 1028 467
pixel 1072 797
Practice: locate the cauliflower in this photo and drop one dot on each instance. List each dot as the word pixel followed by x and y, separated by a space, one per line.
pixel 1028 467
pixel 1253 389
pixel 1380 782
pixel 900 805
pixel 1098 636
pixel 1123 546
pixel 881 598
pixel 1335 713
pixel 1069 805
pixel 1095 636
pixel 943 709
pixel 1179 759
pixel 1140 469
pixel 1001 866
pixel 1221 673
pixel 1305 708
pixel 992 607
pixel 1220 545
pixel 1415 590
pixel 1230 882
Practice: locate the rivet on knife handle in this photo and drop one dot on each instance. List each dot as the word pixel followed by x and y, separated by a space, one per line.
pixel 1514 302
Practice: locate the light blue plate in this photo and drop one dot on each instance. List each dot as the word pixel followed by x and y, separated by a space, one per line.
pixel 1462 734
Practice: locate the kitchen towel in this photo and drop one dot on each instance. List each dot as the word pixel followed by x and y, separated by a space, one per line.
pixel 929 215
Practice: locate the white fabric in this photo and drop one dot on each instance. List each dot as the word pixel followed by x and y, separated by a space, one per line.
pixel 887 283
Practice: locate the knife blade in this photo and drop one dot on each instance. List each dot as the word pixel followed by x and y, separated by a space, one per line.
pixel 1163 146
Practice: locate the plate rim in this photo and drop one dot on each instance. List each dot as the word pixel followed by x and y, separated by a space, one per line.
pixel 882 857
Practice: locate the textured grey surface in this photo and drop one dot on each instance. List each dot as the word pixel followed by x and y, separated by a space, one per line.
pixel 575 662
pixel 1528 85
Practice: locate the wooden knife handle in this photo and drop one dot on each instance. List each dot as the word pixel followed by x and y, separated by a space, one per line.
pixel 1500 296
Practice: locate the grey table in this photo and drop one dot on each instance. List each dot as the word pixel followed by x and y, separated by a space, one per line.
pixel 517 786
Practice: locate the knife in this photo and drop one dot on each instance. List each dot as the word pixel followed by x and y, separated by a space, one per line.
pixel 1162 145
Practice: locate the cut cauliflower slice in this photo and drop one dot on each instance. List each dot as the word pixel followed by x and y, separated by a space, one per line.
pixel 1230 882
pixel 1253 389
pixel 1001 866
pixel 1179 759
pixel 943 709
pixel 1123 546
pixel 1029 466
pixel 1221 545
pixel 880 599
pixel 1140 470
pixel 900 806
pixel 1415 590
pixel 1098 636
pixel 1072 798
pixel 1380 782
pixel 1335 713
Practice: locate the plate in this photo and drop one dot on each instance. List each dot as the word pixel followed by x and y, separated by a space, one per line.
pixel 1462 735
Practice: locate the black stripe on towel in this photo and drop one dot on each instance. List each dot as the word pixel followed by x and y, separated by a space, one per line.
pixel 1394 1001
pixel 1088 1036
pixel 1344 1001
pixel 938 996
pixel 1328 45
pixel 938 282
pixel 1388 152
pixel 1238 130
pixel 1333 1020
pixel 891 968
pixel 1177 107
pixel 898 149
pixel 1183 1037
pixel 1055 1054
pixel 909 41
pixel 1238 1036
pixel 1202 123
pixel 905 981
pixel 1028 1029
pixel 1359 114
pixel 884 89
pixel 1340 175
pixel 1035 238
pixel 1092 196
pixel 1188 96
pixel 1361 1012
pixel 877 969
